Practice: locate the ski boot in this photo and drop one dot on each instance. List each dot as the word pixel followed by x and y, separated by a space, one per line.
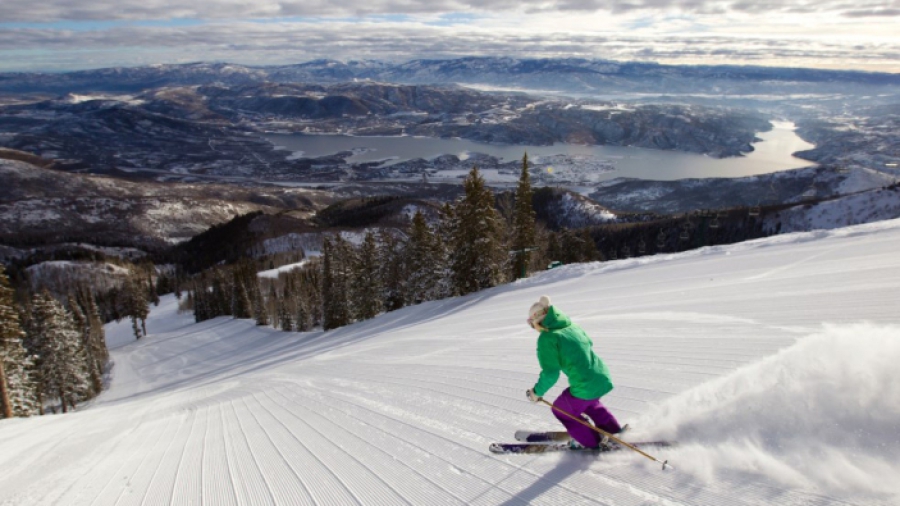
pixel 604 441
pixel 575 445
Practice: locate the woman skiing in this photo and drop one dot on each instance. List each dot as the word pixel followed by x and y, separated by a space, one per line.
pixel 564 346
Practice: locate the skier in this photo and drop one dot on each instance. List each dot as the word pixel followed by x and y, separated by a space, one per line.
pixel 564 346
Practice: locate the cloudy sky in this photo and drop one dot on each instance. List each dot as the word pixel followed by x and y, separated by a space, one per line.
pixel 58 35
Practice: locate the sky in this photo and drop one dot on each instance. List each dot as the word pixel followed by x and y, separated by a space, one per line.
pixel 63 35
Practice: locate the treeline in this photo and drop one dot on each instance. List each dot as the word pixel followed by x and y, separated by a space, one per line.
pixel 226 242
pixel 678 233
pixel 53 350
pixel 131 298
pixel 292 301
pixel 52 353
pixel 113 281
pixel 362 212
pixel 479 241
pixel 472 246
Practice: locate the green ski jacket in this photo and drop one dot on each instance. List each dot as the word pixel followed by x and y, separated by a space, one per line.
pixel 565 347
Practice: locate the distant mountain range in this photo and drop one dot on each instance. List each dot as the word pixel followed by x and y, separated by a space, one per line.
pixel 214 130
pixel 149 128
pixel 205 110
pixel 563 75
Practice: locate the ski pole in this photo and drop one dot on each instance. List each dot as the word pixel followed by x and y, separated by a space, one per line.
pixel 665 463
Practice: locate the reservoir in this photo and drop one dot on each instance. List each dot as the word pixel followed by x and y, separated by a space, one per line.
pixel 772 154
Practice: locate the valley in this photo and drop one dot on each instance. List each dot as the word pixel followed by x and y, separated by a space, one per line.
pixel 213 130
pixel 208 122
pixel 161 153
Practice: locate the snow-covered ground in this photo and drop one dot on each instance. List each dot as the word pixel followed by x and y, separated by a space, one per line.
pixel 60 275
pixel 865 207
pixel 274 273
pixel 772 362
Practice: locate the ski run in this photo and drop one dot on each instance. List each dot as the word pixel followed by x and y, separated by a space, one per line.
pixel 773 363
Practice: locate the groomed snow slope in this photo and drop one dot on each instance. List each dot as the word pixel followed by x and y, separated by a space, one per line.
pixel 773 362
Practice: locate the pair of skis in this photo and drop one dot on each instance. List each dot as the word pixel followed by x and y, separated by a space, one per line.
pixel 558 441
pixel 551 440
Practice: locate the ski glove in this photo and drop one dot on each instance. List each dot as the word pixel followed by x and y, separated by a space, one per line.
pixel 533 397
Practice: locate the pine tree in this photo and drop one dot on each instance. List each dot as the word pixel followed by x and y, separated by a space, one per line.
pixel 9 332
pixel 5 403
pixel 423 262
pixel 60 361
pixel 98 336
pixel 346 261
pixel 523 224
pixel 200 297
pixel 258 309
pixel 164 284
pixel 75 371
pixel 82 326
pixel 546 244
pixel 303 313
pixel 309 283
pixel 479 256
pixel 95 324
pixel 16 388
pixel 261 312
pixel 443 266
pixel 240 298
pixel 555 252
pixel 220 295
pixel 572 246
pixel 575 246
pixel 328 287
pixel 177 282
pixel 34 337
pixel 367 286
pixel 589 252
pixel 273 306
pixel 137 307
pixel 152 294
pixel 335 285
pixel 392 270
pixel 285 318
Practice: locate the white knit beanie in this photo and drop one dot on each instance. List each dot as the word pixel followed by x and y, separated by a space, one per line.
pixel 539 310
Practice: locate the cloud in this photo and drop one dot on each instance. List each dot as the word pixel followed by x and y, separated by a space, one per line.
pixel 65 34
pixel 284 43
pixel 867 13
pixel 59 10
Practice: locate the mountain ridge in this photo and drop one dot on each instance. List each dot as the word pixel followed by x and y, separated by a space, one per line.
pixel 614 74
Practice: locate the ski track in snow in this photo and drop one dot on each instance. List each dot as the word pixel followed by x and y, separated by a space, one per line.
pixel 708 347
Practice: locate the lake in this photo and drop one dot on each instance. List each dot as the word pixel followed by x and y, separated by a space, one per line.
pixel 771 154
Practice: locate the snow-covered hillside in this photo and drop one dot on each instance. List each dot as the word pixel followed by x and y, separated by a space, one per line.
pixel 772 362
pixel 41 203
pixel 60 275
pixel 864 207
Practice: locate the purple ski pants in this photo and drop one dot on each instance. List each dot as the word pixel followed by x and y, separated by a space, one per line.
pixel 594 409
